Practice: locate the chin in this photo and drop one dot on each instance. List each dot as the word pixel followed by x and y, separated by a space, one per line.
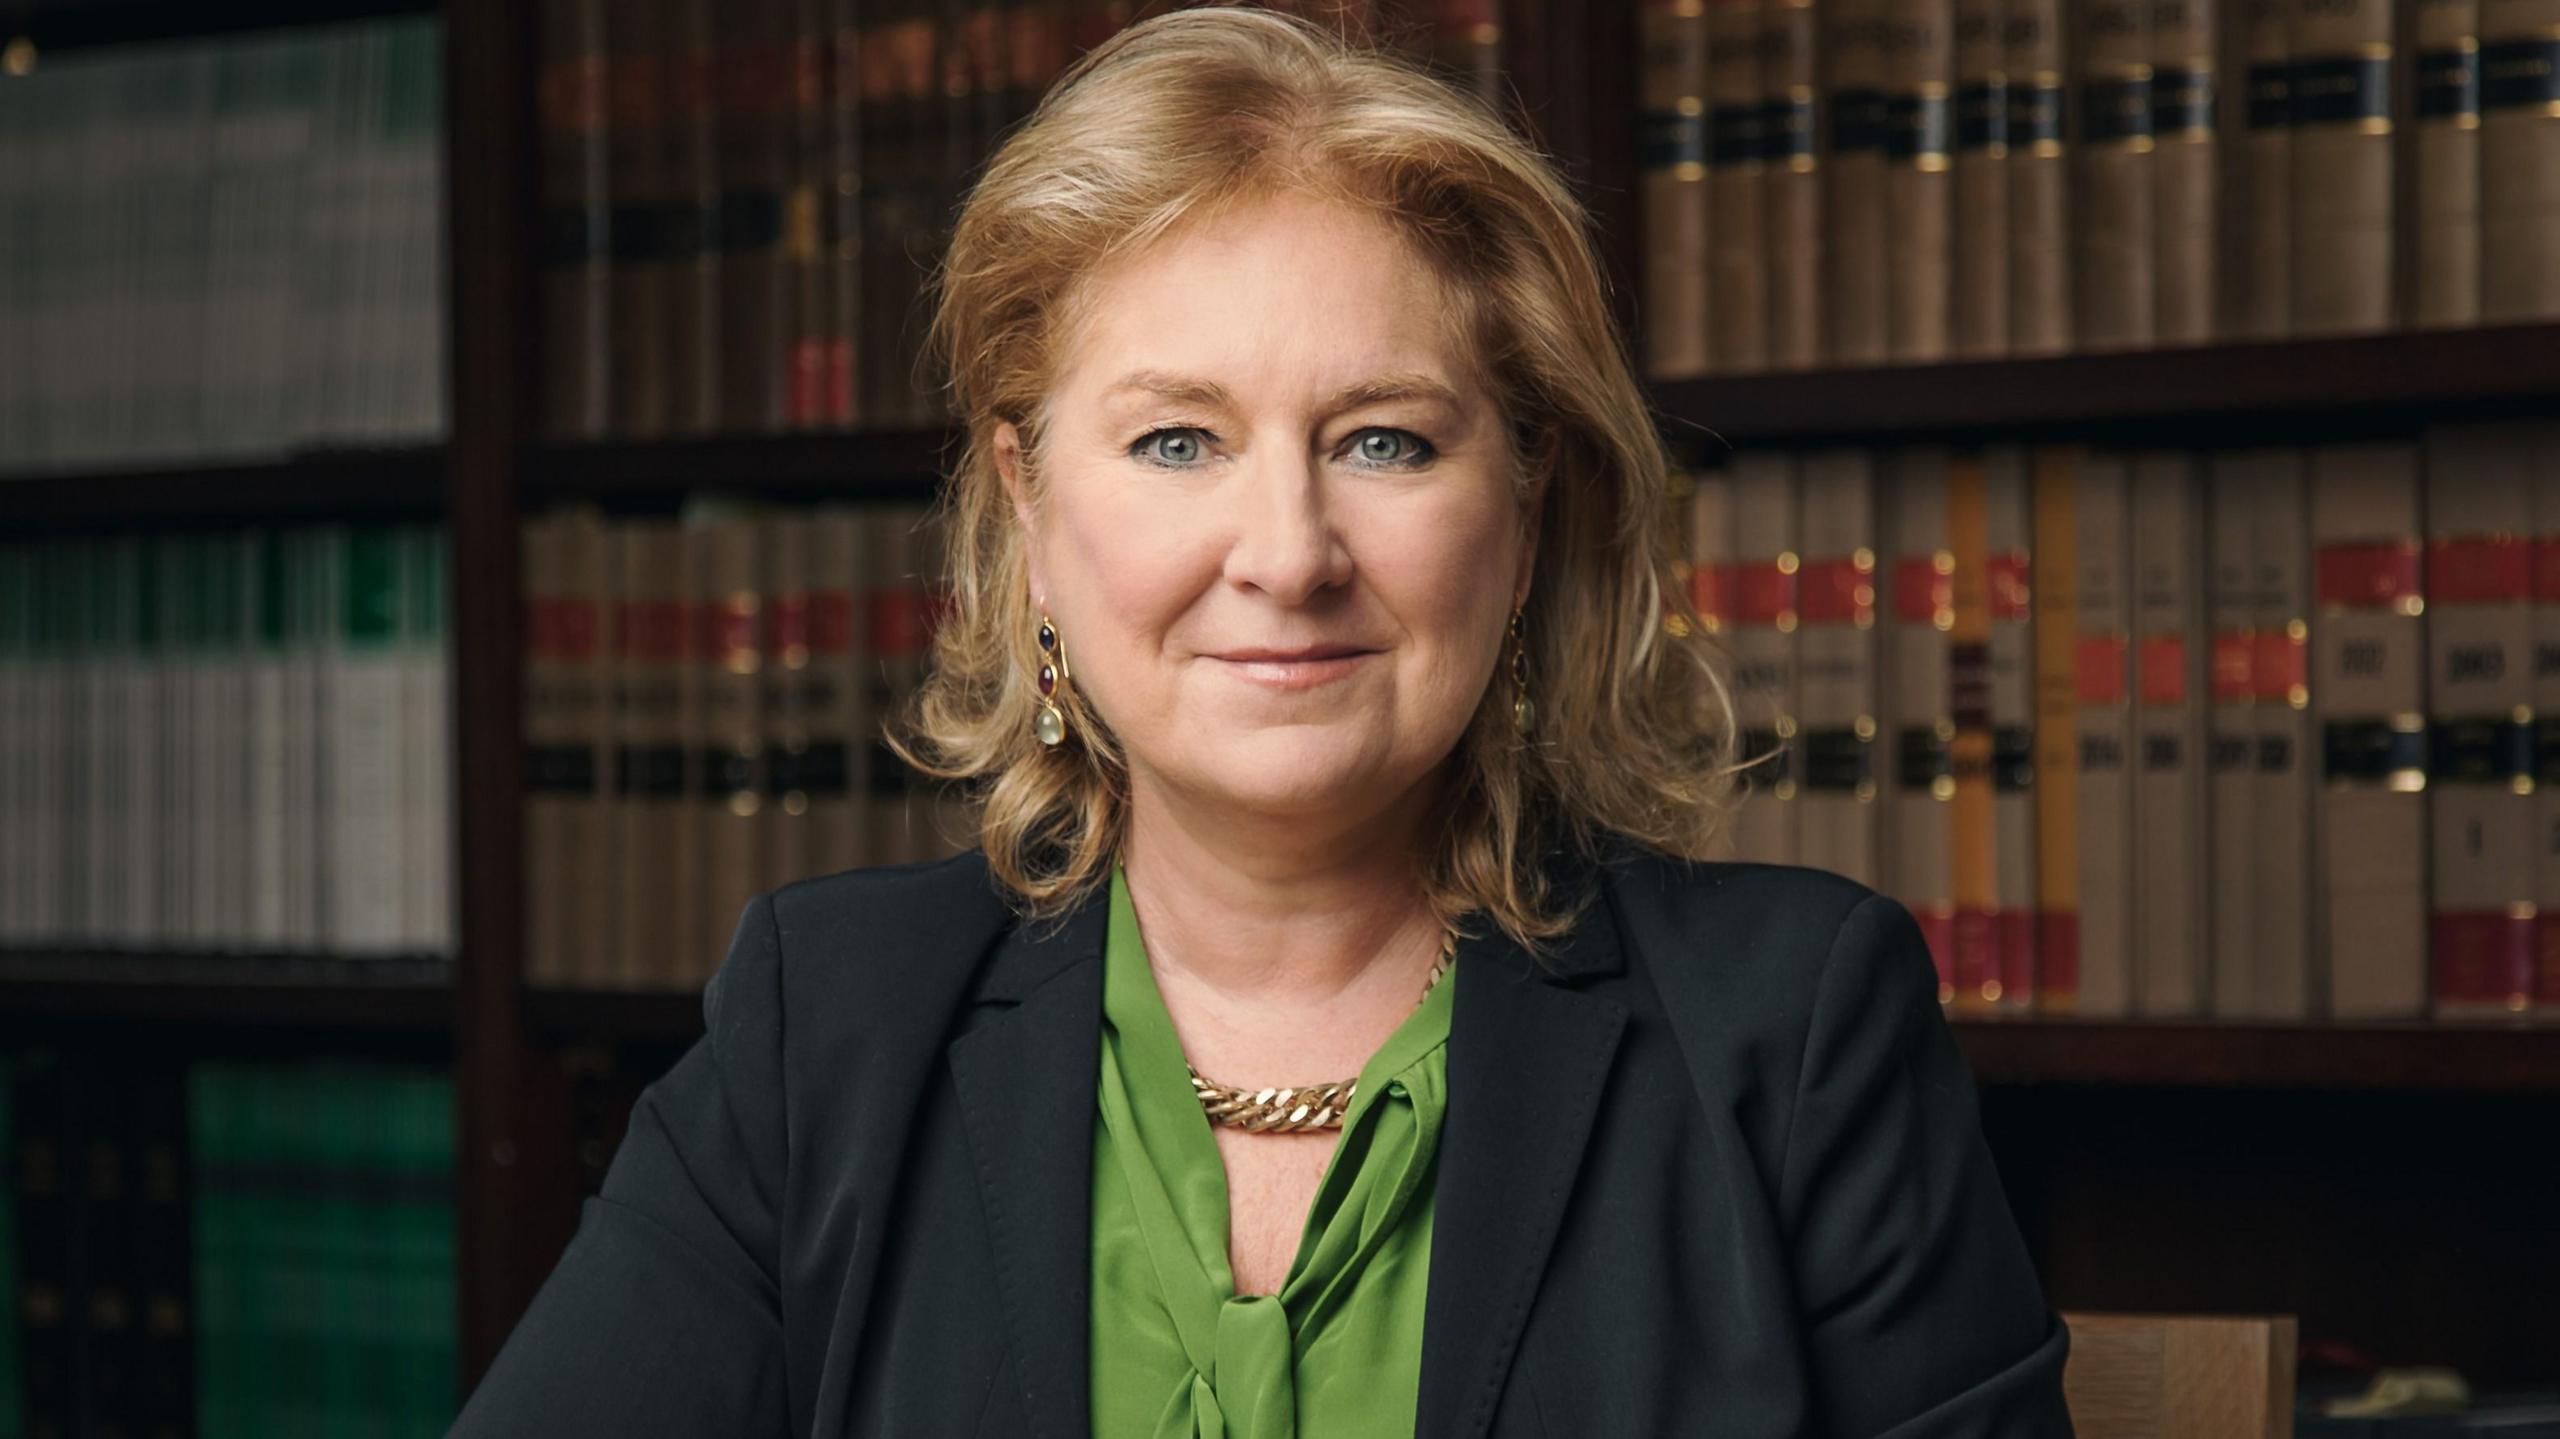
pixel 1297 771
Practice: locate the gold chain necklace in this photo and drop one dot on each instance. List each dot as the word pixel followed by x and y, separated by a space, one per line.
pixel 1299 1108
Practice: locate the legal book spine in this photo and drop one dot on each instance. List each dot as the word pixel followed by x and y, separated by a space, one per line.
pixel 163 1266
pixel 2368 684
pixel 783 556
pixel 40 1170
pixel 1979 314
pixel 577 236
pixel 2009 582
pixel 430 734
pixel 306 630
pixel 952 818
pixel 1791 194
pixel 842 202
pixel 2186 79
pixel 900 804
pixel 836 771
pixel 754 129
pixel 2263 188
pixel 2053 480
pixel 689 214
pixel 17 737
pixel 2519 160
pixel 808 277
pixel 362 912
pixel 654 844
pixel 2170 935
pixel 2480 801
pixel 580 785
pixel 272 751
pixel 2114 221
pixel 2103 669
pixel 173 793
pixel 2543 459
pixel 209 756
pixel 1766 620
pixel 1836 664
pixel 636 183
pixel 1672 160
pixel 1919 832
pixel 1854 209
pixel 2445 229
pixel 2033 52
pixel 2342 166
pixel 550 758
pixel 1707 514
pixel 1918 63
pixel 728 619
pixel 2282 875
pixel 2231 608
pixel 1738 287
pixel 1972 861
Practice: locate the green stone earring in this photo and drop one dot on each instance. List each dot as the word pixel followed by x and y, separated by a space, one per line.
pixel 1050 725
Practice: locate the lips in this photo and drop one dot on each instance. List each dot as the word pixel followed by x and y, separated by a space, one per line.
pixel 1296 656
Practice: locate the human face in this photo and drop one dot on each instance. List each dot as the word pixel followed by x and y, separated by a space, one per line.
pixel 1277 527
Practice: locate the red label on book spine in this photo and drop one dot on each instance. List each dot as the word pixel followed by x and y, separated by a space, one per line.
pixel 1977 955
pixel 1923 594
pixel 1711 592
pixel 2164 669
pixel 729 630
pixel 1764 593
pixel 2015 933
pixel 2282 667
pixel 2493 570
pixel 2546 978
pixel 2235 655
pixel 831 622
pixel 2546 568
pixel 788 635
pixel 2007 573
pixel 650 630
pixel 2482 960
pixel 2367 576
pixel 1938 927
pixel 2058 958
pixel 2100 663
pixel 1838 592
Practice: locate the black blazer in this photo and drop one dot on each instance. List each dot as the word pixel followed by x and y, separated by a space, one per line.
pixel 1720 1173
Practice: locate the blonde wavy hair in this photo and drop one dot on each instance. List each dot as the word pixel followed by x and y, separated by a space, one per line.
pixel 1200 108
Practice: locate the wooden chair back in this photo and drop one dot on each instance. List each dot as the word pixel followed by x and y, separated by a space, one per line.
pixel 2157 1376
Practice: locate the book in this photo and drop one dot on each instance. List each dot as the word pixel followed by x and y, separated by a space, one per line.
pixel 2444 154
pixel 2170 932
pixel 2342 167
pixel 1836 665
pixel 2519 147
pixel 1918 707
pixel 1672 158
pixel 1978 313
pixel 1917 65
pixel 1738 287
pixel 1792 180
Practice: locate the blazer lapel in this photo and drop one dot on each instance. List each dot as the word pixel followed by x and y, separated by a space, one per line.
pixel 1527 1060
pixel 1026 1080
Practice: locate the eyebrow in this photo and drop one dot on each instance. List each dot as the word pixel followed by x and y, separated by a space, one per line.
pixel 1376 390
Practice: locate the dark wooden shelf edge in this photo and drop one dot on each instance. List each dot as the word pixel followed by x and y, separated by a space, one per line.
pixel 246 991
pixel 795 466
pixel 58 26
pixel 2511 1058
pixel 323 485
pixel 2255 388
pixel 614 1016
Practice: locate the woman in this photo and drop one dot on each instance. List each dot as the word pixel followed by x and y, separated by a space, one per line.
pixel 1329 1036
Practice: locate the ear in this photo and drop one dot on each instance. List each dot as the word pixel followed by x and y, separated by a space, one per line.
pixel 1008 452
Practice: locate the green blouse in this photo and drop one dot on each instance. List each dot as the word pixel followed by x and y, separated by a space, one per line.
pixel 1176 1352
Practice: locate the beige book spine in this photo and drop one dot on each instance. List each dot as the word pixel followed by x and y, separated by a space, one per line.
pixel 1791 184
pixel 1980 317
pixel 1738 287
pixel 2542 456
pixel 1710 551
pixel 2283 876
pixel 2264 158
pixel 2169 917
pixel 2186 77
pixel 838 767
pixel 2480 693
pixel 2117 307
pixel 656 882
pixel 1918 67
pixel 2054 597
pixel 2105 729
pixel 583 697
pixel 1854 194
pixel 2445 231
pixel 1972 834
pixel 549 791
pixel 728 610
pixel 1836 665
pixel 2520 159
pixel 1919 719
pixel 951 822
pixel 1766 566
pixel 2342 166
pixel 899 808
pixel 2232 545
pixel 2008 539
pixel 783 816
pixel 1672 36
pixel 2039 177
pixel 2368 688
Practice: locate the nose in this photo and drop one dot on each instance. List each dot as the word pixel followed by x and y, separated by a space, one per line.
pixel 1286 540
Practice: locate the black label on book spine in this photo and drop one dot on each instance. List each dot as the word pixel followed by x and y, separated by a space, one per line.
pixel 560 769
pixel 727 773
pixel 2481 749
pixel 638 238
pixel 1838 761
pixel 1765 759
pixel 649 772
pixel 2270 96
pixel 1672 139
pixel 2116 111
pixel 1918 129
pixel 2520 74
pixel 1733 135
pixel 2372 752
pixel 1982 117
pixel 2013 760
pixel 2346 90
pixel 1786 132
pixel 2035 116
pixel 1923 757
pixel 1857 121
pixel 575 235
pixel 750 221
pixel 2449 84
pixel 2182 103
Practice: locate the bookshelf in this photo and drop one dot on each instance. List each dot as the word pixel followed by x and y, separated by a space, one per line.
pixel 515 1050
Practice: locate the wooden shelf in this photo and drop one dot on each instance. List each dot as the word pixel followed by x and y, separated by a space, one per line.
pixel 56 25
pixel 2221 394
pixel 412 995
pixel 2486 1058
pixel 647 474
pixel 356 485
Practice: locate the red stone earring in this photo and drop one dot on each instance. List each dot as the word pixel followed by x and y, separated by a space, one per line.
pixel 1050 725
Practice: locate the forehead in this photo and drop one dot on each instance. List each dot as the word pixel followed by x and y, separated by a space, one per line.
pixel 1278 287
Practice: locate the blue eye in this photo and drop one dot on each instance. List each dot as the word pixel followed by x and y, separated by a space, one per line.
pixel 1418 451
pixel 1179 455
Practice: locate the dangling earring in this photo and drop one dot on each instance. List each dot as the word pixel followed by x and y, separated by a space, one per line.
pixel 1524 710
pixel 1050 725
